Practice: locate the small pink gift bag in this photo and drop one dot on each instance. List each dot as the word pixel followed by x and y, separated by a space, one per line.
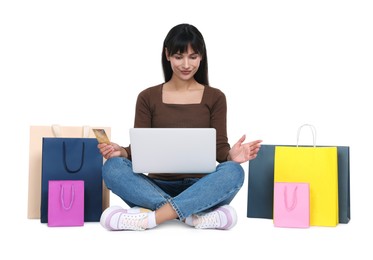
pixel 291 204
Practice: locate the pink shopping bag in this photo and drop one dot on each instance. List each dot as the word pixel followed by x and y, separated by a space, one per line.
pixel 65 203
pixel 291 204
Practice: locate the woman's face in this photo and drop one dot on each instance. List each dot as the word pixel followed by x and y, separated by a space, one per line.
pixel 185 65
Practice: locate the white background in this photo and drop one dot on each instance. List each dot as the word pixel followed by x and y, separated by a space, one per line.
pixel 280 63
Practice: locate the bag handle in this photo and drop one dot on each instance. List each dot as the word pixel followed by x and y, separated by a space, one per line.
pixel 63 199
pixel 56 130
pixel 313 130
pixel 86 129
pixel 295 199
pixel 65 161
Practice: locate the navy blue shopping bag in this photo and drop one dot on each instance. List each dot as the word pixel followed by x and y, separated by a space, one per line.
pixel 73 159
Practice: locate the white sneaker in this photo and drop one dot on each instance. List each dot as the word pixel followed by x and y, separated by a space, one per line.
pixel 224 217
pixel 117 218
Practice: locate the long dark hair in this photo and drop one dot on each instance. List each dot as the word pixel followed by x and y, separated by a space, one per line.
pixel 177 40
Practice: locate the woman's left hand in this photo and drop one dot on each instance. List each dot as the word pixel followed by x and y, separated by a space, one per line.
pixel 243 152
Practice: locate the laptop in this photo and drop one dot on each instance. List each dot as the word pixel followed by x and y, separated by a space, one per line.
pixel 173 150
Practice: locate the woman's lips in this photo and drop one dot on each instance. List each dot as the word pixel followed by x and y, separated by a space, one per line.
pixel 186 72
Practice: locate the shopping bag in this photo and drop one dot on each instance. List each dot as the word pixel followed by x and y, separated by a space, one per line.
pixel 66 203
pixel 261 183
pixel 344 184
pixel 73 159
pixel 291 204
pixel 35 155
pixel 317 166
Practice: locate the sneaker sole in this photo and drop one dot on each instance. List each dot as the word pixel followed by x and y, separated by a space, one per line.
pixel 108 213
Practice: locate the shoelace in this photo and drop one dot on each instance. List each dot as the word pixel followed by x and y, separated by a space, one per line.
pixel 209 220
pixel 132 221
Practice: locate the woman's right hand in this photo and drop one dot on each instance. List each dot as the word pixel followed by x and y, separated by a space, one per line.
pixel 111 150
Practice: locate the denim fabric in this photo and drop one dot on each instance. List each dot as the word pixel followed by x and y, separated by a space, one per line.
pixel 187 196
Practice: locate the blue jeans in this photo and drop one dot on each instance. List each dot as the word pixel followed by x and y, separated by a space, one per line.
pixel 187 196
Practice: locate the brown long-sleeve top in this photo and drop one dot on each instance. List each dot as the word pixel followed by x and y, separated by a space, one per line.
pixel 210 113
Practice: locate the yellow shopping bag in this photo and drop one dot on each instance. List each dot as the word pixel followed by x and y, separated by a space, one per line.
pixel 317 166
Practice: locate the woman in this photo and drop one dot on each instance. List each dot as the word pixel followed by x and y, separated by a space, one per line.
pixel 184 100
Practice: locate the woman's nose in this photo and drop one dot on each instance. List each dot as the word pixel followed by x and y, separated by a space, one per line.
pixel 186 62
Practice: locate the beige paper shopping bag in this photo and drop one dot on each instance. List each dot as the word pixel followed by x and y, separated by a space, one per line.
pixel 35 158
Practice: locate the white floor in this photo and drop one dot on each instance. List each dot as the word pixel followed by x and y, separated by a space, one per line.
pixel 249 238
